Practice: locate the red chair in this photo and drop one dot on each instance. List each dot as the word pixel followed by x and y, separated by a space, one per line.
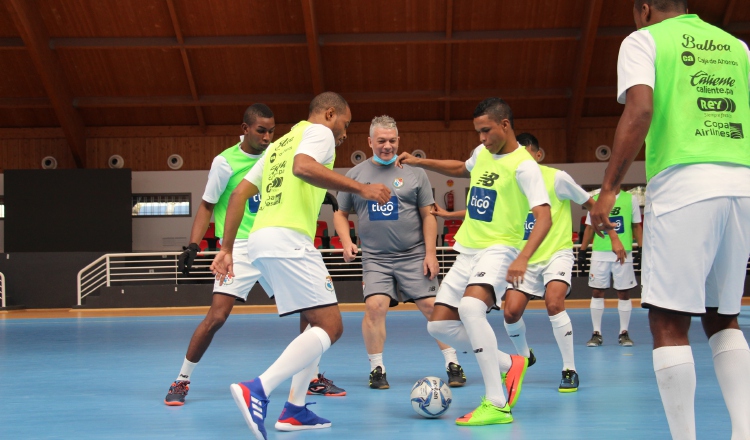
pixel 451 229
pixel 218 245
pixel 575 237
pixel 211 231
pixel 336 242
pixel 453 222
pixel 318 241
pixel 449 240
pixel 352 231
pixel 203 245
pixel 322 229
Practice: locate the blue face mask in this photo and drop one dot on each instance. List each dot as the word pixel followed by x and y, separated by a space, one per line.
pixel 384 162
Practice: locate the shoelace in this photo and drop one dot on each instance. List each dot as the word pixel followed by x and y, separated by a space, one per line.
pixel 180 387
pixel 324 380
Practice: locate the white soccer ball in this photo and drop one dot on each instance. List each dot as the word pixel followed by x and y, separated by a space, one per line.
pixel 431 397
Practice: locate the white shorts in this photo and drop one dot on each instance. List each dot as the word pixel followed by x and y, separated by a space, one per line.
pixel 299 282
pixel 696 256
pixel 537 276
pixel 245 275
pixel 488 266
pixel 601 271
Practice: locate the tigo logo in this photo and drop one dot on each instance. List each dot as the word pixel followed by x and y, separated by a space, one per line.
pixel 253 203
pixel 482 203
pixel 389 211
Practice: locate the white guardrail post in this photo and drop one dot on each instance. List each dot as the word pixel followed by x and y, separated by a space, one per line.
pixel 2 289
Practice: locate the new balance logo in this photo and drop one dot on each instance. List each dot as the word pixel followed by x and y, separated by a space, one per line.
pixel 478 350
pixel 562 274
pixel 488 179
pixel 182 375
pixel 432 289
pixel 570 333
pixel 480 274
pixel 513 336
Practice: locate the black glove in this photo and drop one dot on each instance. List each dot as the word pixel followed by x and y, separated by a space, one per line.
pixel 329 199
pixel 186 259
pixel 582 261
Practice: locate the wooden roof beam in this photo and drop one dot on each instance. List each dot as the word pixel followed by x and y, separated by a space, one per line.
pixel 34 34
pixel 581 74
pixel 313 48
pixel 448 60
pixel 186 61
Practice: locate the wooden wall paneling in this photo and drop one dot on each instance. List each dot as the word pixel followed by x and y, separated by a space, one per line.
pixel 345 16
pixel 95 18
pixel 106 72
pixel 484 15
pixel 28 153
pixel 400 111
pixel 186 62
pixel 239 71
pixel 220 17
pixel 603 107
pixel 232 115
pixel 7 27
pixel 536 108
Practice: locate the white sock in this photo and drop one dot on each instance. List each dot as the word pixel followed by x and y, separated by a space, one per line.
pixel 298 355
pixel 624 306
pixel 376 360
pixel 454 334
pixel 597 310
pixel 675 376
pixel 301 383
pixel 732 363
pixel 450 356
pixel 473 314
pixel 517 334
pixel 186 370
pixel 562 328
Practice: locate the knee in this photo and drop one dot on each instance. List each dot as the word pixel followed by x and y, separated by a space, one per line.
pixel 215 320
pixel 555 309
pixel 512 316
pixel 375 311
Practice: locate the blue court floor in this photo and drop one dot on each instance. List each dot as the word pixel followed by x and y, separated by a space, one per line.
pixel 106 378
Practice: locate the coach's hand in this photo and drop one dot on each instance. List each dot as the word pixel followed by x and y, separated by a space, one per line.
pixel 582 263
pixel 406 158
pixel 222 266
pixel 186 259
pixel 377 192
pixel 430 266
pixel 350 252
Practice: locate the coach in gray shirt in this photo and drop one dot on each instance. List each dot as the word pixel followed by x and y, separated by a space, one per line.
pixel 398 245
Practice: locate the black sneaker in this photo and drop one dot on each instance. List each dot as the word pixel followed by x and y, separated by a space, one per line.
pixel 595 341
pixel 322 386
pixel 177 393
pixel 569 382
pixel 624 339
pixel 378 380
pixel 456 376
pixel 532 358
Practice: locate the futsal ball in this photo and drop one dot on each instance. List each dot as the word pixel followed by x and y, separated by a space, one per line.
pixel 430 397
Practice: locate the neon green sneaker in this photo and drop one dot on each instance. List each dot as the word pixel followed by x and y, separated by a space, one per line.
pixel 486 414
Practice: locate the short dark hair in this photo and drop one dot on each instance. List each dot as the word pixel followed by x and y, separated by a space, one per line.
pixel 528 139
pixel 326 100
pixel 665 5
pixel 256 111
pixel 496 109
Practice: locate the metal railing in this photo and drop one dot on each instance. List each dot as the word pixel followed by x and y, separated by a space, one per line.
pixel 154 268
pixel 2 290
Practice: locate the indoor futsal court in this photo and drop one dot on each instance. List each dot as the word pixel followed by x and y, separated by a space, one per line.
pixel 133 132
pixel 103 377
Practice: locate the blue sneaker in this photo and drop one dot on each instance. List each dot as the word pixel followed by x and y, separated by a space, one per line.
pixel 298 418
pixel 252 402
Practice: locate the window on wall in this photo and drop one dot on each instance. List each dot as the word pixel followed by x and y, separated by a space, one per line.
pixel 161 205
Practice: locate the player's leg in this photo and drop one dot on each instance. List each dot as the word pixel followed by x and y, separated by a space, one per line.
pixel 599 275
pixel 562 328
pixel 456 376
pixel 515 305
pixel 679 251
pixel 724 289
pixel 221 307
pixel 623 276
pixel 319 385
pixel 374 334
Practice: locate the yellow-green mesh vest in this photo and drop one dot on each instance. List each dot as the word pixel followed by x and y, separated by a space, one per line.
pixel 622 216
pixel 560 235
pixel 496 205
pixel 286 200
pixel 240 164
pixel 701 96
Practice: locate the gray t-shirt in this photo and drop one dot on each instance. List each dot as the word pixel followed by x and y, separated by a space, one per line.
pixel 397 225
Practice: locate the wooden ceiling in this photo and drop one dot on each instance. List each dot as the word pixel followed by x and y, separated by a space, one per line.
pixel 78 65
